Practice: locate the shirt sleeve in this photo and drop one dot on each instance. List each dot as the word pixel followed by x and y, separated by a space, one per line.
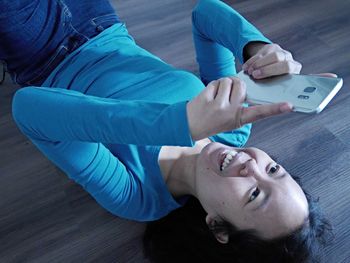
pixel 220 19
pixel 235 138
pixel 55 114
pixel 69 127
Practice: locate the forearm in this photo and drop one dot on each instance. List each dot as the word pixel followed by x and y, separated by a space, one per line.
pixel 54 114
pixel 220 23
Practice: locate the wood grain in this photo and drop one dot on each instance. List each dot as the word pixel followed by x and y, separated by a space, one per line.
pixel 44 217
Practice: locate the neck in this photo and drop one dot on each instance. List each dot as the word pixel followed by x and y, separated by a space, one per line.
pixel 178 167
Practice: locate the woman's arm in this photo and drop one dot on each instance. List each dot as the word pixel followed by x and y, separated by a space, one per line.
pixel 216 22
pixel 251 49
pixel 70 129
pixel 55 114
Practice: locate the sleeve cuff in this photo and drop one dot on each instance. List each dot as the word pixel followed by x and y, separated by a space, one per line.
pixel 179 129
pixel 246 41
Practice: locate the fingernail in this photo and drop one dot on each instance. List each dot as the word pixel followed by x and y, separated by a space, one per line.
pixel 257 73
pixel 250 70
pixel 286 107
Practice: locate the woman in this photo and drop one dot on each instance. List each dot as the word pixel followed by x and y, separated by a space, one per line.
pixel 141 136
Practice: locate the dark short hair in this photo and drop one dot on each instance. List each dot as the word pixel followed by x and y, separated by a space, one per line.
pixel 183 236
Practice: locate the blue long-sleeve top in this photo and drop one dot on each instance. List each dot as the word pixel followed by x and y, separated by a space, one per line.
pixel 103 115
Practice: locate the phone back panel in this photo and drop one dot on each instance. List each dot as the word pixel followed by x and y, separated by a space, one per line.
pixel 306 93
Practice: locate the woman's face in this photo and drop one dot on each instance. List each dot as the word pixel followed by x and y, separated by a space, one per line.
pixel 252 192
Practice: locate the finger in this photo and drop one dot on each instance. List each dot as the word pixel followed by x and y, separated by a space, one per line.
pixel 328 75
pixel 224 90
pixel 269 59
pixel 255 113
pixel 276 69
pixel 268 48
pixel 211 90
pixel 238 93
pixel 250 61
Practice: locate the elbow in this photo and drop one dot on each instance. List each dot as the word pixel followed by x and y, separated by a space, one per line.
pixel 21 104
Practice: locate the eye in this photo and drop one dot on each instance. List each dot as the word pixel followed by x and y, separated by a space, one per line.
pixel 254 195
pixel 274 168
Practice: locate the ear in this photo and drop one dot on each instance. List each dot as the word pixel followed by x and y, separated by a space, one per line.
pixel 221 236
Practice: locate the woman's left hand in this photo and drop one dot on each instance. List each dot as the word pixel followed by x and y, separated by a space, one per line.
pixel 271 60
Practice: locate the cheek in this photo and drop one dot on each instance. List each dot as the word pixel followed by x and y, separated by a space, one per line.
pixel 206 164
pixel 211 184
pixel 229 191
pixel 206 176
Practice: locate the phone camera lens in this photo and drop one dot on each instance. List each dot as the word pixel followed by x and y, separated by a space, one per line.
pixel 303 97
pixel 309 89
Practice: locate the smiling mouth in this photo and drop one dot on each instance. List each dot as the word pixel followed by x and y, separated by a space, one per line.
pixel 226 158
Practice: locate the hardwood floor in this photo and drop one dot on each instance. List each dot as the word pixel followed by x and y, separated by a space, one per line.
pixel 44 217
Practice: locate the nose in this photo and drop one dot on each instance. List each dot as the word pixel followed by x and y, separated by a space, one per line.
pixel 251 168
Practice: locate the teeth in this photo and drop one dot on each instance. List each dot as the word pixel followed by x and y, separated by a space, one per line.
pixel 229 156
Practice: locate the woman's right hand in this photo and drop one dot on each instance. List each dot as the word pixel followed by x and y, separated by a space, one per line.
pixel 219 108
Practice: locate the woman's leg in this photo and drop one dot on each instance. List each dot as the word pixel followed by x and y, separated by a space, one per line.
pixel 220 34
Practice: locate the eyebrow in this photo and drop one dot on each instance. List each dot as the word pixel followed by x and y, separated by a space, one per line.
pixel 266 199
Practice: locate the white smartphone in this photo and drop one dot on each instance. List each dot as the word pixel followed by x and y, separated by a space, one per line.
pixel 307 93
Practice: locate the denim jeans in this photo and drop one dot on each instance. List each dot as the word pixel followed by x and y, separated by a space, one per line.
pixel 36 35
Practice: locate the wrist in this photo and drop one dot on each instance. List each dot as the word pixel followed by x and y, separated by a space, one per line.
pixel 191 122
pixel 251 48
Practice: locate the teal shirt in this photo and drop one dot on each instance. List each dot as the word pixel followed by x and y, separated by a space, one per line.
pixel 103 115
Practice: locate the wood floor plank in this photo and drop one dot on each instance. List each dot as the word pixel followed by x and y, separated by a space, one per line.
pixel 45 217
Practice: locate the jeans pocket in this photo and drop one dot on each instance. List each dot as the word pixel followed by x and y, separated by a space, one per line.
pixel 104 21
